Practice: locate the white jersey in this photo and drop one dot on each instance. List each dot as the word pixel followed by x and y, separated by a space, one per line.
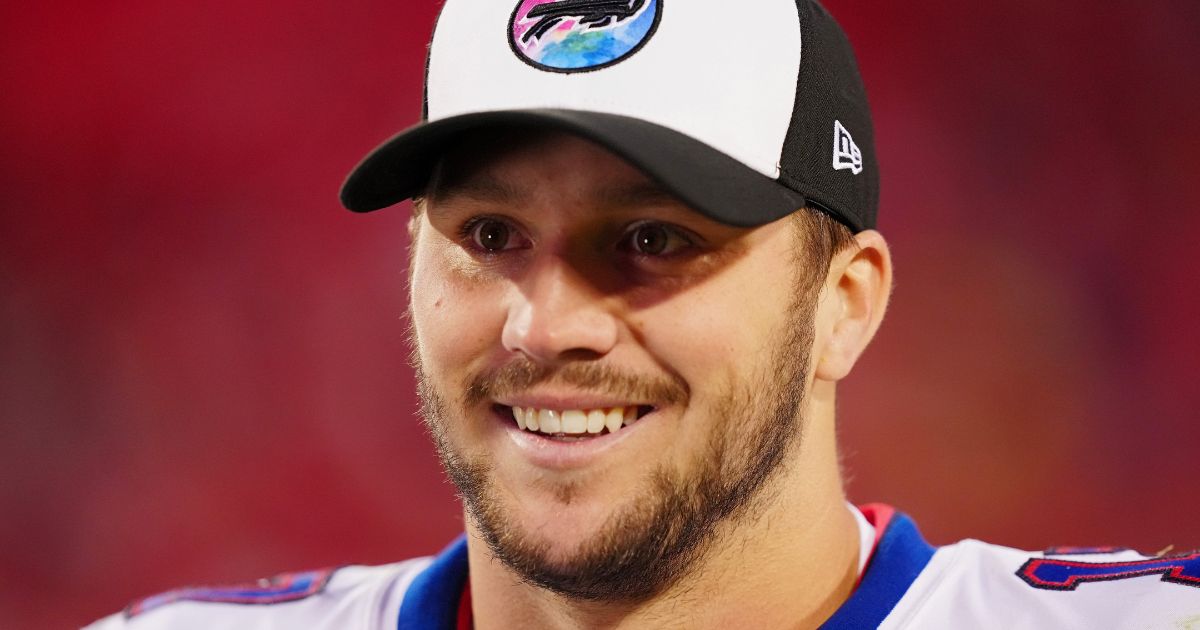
pixel 906 584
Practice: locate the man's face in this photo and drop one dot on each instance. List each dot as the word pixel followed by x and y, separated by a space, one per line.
pixel 551 276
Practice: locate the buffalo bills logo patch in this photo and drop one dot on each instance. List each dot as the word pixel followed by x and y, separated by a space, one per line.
pixel 581 35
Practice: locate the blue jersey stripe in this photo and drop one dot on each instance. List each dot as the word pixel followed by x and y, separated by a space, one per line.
pixel 900 557
pixel 431 602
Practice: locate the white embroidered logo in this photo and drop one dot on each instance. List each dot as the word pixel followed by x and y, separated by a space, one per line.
pixel 846 154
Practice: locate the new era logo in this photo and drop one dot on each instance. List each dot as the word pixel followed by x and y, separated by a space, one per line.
pixel 846 154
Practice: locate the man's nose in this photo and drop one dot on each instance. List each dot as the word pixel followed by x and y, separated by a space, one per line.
pixel 557 315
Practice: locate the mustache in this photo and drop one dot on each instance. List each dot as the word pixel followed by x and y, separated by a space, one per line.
pixel 595 378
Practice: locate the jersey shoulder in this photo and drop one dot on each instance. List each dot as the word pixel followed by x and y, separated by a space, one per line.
pixel 351 597
pixel 976 584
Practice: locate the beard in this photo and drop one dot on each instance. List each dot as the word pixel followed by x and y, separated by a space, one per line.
pixel 655 540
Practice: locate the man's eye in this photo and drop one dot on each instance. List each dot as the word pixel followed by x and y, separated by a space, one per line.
pixel 655 239
pixel 491 235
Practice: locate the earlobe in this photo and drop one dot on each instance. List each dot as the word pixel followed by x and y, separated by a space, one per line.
pixel 855 297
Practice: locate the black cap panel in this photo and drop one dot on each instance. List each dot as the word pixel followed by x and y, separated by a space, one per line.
pixel 831 107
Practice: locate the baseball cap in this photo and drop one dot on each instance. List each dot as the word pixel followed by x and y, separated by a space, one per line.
pixel 747 110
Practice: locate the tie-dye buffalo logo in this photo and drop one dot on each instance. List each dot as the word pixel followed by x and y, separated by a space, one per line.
pixel 581 35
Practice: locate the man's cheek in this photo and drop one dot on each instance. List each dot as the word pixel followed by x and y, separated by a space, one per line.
pixel 436 311
pixel 693 344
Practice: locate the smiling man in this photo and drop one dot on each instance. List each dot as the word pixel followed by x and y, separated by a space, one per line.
pixel 643 256
pixel 624 391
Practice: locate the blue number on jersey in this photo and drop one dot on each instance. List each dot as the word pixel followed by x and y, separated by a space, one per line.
pixel 1065 575
pixel 286 587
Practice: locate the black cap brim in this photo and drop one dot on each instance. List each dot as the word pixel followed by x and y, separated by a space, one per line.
pixel 704 178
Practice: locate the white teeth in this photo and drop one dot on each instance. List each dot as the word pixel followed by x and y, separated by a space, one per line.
pixel 549 421
pixel 595 421
pixel 614 418
pixel 574 421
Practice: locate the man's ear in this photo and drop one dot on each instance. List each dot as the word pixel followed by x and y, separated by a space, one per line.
pixel 853 301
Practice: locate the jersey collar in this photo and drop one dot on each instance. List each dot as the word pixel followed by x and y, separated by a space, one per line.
pixel 432 601
pixel 900 556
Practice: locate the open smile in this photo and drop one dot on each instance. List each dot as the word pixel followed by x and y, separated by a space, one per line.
pixel 573 424
pixel 561 434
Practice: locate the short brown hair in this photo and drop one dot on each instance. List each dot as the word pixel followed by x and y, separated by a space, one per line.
pixel 819 237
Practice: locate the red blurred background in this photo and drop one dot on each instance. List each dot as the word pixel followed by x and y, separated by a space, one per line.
pixel 202 363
